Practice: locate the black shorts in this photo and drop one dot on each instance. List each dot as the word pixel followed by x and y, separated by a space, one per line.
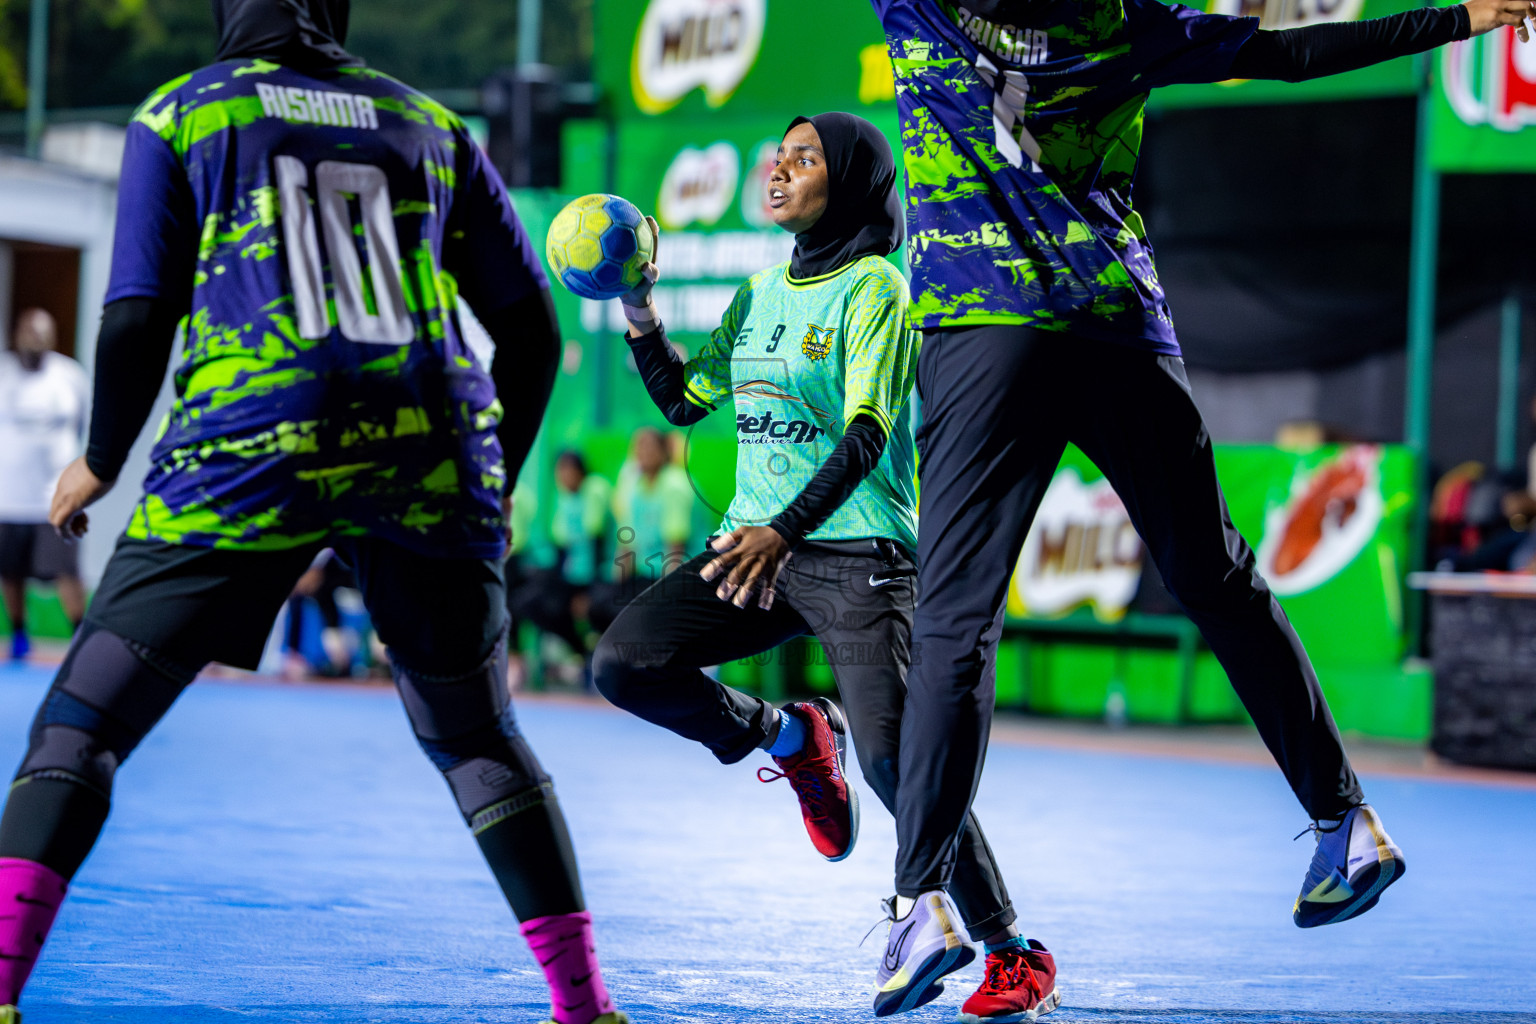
pixel 36 551
pixel 195 605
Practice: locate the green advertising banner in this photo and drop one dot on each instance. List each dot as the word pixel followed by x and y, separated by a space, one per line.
pixel 698 94
pixel 1330 529
pixel 758 56
pixel 773 57
pixel 1329 526
pixel 1483 105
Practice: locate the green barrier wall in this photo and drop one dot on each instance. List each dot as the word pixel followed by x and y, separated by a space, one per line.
pixel 45 616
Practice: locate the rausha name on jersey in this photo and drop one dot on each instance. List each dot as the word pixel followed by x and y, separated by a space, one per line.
pixel 1015 45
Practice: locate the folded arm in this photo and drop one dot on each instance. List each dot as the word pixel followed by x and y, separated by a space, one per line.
pixel 852 459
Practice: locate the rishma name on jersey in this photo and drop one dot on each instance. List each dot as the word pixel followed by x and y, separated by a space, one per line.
pixel 317 106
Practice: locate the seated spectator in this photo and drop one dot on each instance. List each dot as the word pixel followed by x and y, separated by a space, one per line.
pixel 581 528
pixel 556 599
pixel 339 645
pixel 653 510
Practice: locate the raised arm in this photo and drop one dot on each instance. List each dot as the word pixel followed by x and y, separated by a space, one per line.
pixel 1182 45
pixel 1315 51
pixel 684 392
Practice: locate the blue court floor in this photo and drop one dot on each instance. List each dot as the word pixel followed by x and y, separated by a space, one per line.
pixel 285 853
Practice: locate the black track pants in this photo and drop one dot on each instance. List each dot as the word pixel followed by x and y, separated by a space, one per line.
pixel 649 664
pixel 1000 405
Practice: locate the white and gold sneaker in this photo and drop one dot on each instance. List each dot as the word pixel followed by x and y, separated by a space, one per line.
pixel 930 942
pixel 1354 862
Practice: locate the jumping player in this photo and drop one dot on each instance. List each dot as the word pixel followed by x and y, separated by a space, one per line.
pixel 1045 324
pixel 312 222
pixel 817 358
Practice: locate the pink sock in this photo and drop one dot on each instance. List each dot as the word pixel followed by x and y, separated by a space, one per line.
pixel 564 948
pixel 30 895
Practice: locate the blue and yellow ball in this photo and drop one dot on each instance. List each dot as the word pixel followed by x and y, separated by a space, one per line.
pixel 597 245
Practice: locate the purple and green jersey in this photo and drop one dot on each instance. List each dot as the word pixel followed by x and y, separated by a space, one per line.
pixel 319 229
pixel 1020 144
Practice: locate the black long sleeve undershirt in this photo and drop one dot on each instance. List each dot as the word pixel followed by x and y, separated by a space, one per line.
pixel 662 371
pixel 133 349
pixel 527 358
pixel 1315 51
pixel 852 459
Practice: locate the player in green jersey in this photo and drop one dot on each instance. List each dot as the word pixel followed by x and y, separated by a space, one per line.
pixel 818 361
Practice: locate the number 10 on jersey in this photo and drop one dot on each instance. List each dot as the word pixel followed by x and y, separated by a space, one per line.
pixel 370 309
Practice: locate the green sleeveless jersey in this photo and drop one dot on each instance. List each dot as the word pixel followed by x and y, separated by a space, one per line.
pixel 801 359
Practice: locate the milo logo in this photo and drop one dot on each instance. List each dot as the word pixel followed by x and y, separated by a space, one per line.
pixel 684 45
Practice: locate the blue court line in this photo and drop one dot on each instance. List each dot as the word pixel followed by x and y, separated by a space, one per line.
pixel 283 853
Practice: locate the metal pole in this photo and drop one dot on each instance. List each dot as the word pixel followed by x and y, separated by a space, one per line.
pixel 1422 269
pixel 37 76
pixel 530 25
pixel 1509 383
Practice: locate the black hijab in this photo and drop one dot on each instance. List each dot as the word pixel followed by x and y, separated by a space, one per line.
pixel 304 34
pixel 863 215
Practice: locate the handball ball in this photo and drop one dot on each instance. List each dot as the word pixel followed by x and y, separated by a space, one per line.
pixel 598 244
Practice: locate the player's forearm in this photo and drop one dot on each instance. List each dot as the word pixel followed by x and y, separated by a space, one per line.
pixel 132 352
pixel 853 459
pixel 1315 51
pixel 527 338
pixel 664 376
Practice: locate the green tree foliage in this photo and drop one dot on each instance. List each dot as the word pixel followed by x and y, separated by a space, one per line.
pixel 13 85
pixel 114 52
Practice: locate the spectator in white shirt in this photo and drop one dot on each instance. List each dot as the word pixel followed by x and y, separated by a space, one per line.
pixel 43 406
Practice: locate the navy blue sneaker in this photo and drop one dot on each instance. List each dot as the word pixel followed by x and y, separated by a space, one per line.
pixel 1354 862
pixel 20 648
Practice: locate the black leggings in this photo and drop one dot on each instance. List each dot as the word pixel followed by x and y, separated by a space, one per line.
pixel 443 620
pixel 649 664
pixel 1000 405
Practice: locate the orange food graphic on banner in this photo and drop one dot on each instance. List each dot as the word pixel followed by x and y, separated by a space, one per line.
pixel 1332 497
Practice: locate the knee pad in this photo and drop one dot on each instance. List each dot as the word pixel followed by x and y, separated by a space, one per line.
pixel 108 694
pixel 466 727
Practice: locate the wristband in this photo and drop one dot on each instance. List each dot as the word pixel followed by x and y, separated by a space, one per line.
pixel 644 318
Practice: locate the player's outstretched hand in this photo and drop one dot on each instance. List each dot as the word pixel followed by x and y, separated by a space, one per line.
pixel 77 488
pixel 1487 15
pixel 750 558
pixel 639 309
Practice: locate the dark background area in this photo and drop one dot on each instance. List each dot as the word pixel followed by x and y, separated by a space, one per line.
pixel 1283 235
pixel 111 53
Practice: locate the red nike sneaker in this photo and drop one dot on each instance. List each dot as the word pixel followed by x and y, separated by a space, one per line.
pixel 1020 985
pixel 828 804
